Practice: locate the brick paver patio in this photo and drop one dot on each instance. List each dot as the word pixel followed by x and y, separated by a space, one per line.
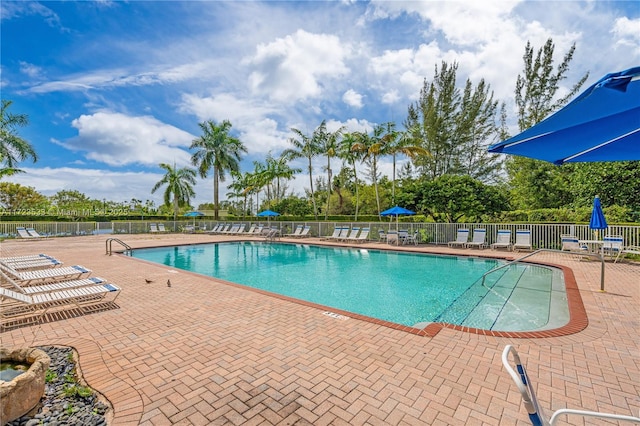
pixel 203 352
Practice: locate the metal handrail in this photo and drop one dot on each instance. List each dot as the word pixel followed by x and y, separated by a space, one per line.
pixel 596 255
pixel 109 242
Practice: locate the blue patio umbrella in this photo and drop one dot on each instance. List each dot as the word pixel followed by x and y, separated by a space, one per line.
pixel 602 124
pixel 194 214
pixel 598 221
pixel 397 211
pixel 268 214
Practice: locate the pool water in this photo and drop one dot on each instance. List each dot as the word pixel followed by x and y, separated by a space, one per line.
pixel 403 288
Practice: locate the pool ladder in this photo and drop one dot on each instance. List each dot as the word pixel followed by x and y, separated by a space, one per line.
pixel 599 256
pixel 108 249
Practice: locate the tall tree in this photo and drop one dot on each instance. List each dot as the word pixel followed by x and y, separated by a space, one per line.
pixel 350 153
pixel 218 150
pixel 13 149
pixel 372 147
pixel 308 147
pixel 454 127
pixel 535 183
pixel 241 187
pixel 401 143
pixel 179 188
pixel 328 142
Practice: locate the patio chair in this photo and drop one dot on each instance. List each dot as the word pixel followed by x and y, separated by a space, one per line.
pixel 153 227
pixel 382 236
pixel 411 238
pixel 523 240
pixel 240 229
pixel 258 230
pixel 572 244
pixel 479 239
pixel 612 245
pixel 51 274
pixel 462 238
pixel 635 250
pixel 251 229
pixel 296 232
pixel 161 228
pixel 503 240
pixel 29 309
pixel 536 414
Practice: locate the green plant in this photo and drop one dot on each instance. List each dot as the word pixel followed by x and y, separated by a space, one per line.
pixel 73 390
pixel 70 409
pixel 50 376
pixel 70 378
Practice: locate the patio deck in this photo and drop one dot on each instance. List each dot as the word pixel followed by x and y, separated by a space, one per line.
pixel 203 352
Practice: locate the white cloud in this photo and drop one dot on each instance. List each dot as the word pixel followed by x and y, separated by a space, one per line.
pixel 117 139
pixel 30 69
pixel 294 67
pixel 627 32
pixel 352 98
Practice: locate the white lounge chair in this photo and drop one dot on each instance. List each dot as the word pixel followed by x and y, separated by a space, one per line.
pixel 153 227
pixel 296 232
pixel 51 274
pixel 382 236
pixel 362 237
pixel 34 233
pixel 523 240
pixel 462 238
pixel 351 235
pixel 503 240
pixel 635 250
pixel 537 417
pixel 55 286
pixel 23 233
pixel 35 261
pixel 336 233
pixel 479 239
pixel 161 227
pixel 305 232
pixel 16 307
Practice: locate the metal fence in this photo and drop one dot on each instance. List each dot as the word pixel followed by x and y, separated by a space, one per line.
pixel 542 235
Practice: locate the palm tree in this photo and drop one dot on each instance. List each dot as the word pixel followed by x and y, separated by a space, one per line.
pixel 279 170
pixel 400 143
pixel 305 147
pixel 329 147
pixel 350 155
pixel 179 185
pixel 218 150
pixel 241 186
pixel 371 147
pixel 13 148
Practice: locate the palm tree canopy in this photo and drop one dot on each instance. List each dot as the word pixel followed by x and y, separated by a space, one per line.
pixel 179 183
pixel 13 148
pixel 216 149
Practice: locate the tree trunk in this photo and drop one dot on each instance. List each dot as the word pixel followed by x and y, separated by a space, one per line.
pixel 313 198
pixel 215 193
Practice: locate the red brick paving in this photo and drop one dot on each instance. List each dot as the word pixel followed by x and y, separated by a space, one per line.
pixel 205 352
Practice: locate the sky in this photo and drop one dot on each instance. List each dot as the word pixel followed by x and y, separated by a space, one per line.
pixel 112 89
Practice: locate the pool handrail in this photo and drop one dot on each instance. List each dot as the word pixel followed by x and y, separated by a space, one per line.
pixel 596 255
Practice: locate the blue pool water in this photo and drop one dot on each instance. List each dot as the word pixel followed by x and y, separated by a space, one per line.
pixel 403 288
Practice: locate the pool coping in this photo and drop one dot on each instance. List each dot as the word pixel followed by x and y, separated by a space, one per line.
pixel 578 319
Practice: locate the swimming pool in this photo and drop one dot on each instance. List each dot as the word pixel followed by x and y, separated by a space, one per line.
pixel 403 288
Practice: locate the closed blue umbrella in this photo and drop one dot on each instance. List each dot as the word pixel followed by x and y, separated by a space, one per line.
pixel 602 124
pixel 598 221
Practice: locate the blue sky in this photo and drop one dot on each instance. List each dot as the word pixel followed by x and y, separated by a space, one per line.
pixel 114 88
